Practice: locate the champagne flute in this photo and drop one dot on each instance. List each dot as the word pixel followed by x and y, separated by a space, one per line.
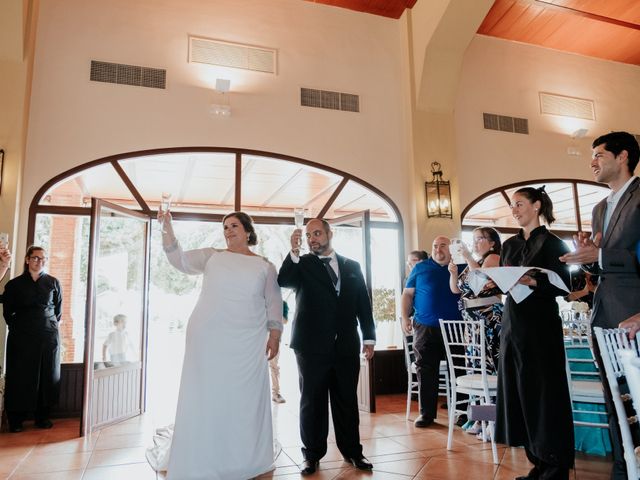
pixel 298 218
pixel 165 205
pixel 4 240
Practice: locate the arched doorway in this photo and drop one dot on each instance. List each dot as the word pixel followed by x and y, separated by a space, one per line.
pixel 205 184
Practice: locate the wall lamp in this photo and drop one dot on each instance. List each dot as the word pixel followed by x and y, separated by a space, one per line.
pixel 438 194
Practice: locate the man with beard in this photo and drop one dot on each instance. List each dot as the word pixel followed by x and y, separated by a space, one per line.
pixel 427 298
pixel 611 252
pixel 331 300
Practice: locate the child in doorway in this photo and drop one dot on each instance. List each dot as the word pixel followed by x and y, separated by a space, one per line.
pixel 117 343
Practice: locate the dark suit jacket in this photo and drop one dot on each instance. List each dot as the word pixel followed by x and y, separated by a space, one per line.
pixel 326 322
pixel 618 294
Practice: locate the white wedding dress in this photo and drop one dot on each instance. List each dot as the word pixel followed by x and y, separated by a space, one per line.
pixel 223 427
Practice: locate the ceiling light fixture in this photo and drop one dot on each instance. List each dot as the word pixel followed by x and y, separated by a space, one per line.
pixel 220 104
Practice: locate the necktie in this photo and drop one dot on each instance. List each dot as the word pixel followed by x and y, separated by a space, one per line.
pixel 332 273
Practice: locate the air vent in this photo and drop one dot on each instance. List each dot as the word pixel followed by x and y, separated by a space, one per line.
pixel 346 102
pixel 234 55
pixel 504 123
pixel 128 74
pixel 552 104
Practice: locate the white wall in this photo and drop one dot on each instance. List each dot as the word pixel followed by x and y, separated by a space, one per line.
pixel 74 121
pixel 504 77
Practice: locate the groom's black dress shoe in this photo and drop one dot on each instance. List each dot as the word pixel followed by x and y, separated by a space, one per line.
pixel 309 467
pixel 361 463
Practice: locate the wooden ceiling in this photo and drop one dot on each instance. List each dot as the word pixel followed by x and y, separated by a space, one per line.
pixel 607 29
pixel 385 8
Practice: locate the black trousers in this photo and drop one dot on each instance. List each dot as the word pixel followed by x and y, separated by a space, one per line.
pixel 546 471
pixel 619 469
pixel 325 378
pixel 428 347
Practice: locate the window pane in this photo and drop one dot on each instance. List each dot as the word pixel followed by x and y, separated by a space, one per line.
pixel 197 182
pixel 589 196
pixel 355 198
pixel 66 239
pixel 101 181
pixel 275 187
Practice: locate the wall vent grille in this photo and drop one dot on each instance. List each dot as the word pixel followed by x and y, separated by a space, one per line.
pixel 234 55
pixel 346 102
pixel 552 104
pixel 128 74
pixel 504 123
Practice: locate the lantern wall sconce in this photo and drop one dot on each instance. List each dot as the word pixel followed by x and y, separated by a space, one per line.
pixel 438 194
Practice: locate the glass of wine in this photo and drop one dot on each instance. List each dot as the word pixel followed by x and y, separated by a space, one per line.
pixel 165 205
pixel 298 218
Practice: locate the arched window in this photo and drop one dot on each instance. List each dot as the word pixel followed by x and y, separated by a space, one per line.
pixel 573 201
pixel 205 184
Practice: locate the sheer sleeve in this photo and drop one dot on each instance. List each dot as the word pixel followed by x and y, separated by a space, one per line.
pixel 191 262
pixel 273 299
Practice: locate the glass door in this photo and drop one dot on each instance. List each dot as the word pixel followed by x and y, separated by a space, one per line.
pixel 352 238
pixel 116 331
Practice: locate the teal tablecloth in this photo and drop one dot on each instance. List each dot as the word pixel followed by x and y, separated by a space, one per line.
pixel 591 440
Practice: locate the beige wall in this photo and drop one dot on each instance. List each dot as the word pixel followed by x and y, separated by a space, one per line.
pixel 504 77
pixel 74 121
pixel 17 23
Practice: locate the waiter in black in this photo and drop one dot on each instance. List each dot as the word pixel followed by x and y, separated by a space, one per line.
pixel 32 309
pixel 331 300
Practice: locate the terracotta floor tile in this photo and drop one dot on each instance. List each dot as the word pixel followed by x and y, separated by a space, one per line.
pixel 403 467
pixel 43 462
pixel 394 457
pixel 119 456
pixel 442 468
pixel 137 471
pixel 108 442
pixel 82 444
pixel 67 475
pixel 382 446
pixel 9 463
pixel 13 451
pixel 355 474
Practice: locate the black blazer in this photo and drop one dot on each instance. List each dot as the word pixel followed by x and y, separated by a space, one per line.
pixel 326 322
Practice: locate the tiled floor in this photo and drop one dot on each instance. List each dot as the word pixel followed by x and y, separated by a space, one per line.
pixel 397 450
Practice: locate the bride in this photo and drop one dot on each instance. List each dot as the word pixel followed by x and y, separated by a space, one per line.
pixel 223 427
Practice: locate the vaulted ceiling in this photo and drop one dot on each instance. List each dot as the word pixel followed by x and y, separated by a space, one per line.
pixel 596 28
pixel 385 8
pixel 607 29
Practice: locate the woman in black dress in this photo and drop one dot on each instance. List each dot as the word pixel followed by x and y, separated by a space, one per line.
pixel 32 310
pixel 533 404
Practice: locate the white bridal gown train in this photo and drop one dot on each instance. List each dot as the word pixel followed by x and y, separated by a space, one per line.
pixel 223 428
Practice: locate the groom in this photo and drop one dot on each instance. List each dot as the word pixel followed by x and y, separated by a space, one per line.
pixel 331 299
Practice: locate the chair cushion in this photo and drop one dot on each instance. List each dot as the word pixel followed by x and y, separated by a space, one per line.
pixel 475 381
pixel 585 388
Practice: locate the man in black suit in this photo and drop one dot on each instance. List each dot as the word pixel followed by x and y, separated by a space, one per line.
pixel 611 252
pixel 331 299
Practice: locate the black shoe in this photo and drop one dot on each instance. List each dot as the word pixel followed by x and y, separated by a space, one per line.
pixel 44 424
pixel 15 428
pixel 361 463
pixel 533 474
pixel 422 421
pixel 462 419
pixel 309 467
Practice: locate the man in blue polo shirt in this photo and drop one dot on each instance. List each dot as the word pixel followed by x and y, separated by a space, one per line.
pixel 427 298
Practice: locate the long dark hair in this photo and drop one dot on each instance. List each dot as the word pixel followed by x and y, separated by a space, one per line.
pixel 540 195
pixel 247 223
pixel 493 236
pixel 30 251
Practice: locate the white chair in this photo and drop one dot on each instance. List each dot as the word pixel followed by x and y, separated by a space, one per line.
pixel 464 341
pixel 412 375
pixel 610 341
pixel 582 372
